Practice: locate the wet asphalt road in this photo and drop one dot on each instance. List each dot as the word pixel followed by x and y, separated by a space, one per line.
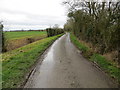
pixel 64 67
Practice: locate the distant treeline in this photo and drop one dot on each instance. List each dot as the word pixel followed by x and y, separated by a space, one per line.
pixel 23 30
pixel 97 23
pixel 54 31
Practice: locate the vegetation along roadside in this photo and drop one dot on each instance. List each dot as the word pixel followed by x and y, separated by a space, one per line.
pixel 16 63
pixel 108 66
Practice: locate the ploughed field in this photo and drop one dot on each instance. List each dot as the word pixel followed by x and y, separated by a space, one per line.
pixel 17 39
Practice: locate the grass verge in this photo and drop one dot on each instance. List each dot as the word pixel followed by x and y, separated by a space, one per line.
pixel 104 64
pixel 16 63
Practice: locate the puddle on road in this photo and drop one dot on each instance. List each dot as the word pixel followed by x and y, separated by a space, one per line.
pixel 49 57
pixel 46 68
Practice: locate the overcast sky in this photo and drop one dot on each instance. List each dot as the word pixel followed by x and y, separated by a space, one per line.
pixel 31 14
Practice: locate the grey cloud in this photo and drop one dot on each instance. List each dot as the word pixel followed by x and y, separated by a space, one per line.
pixel 33 19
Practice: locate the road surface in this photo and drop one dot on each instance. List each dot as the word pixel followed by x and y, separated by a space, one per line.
pixel 64 67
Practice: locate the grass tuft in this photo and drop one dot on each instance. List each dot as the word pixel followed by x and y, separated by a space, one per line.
pixel 107 66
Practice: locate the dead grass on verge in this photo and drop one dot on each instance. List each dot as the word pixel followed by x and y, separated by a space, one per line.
pixel 105 61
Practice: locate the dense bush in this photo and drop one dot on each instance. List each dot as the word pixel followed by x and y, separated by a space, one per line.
pixel 54 31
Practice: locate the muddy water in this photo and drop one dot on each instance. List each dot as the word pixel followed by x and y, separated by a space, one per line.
pixel 64 67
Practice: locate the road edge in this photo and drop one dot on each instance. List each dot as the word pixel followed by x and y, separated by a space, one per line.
pixel 38 61
pixel 96 65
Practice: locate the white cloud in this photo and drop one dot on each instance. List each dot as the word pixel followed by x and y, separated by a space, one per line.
pixel 13 17
pixel 24 27
pixel 19 14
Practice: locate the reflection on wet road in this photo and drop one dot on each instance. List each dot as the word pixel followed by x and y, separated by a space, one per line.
pixel 64 67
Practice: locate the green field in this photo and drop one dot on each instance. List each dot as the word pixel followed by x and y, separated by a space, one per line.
pixel 24 34
pixel 15 40
pixel 16 63
pixel 105 64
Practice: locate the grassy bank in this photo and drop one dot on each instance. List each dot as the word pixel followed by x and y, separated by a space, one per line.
pixel 25 37
pixel 16 63
pixel 105 64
